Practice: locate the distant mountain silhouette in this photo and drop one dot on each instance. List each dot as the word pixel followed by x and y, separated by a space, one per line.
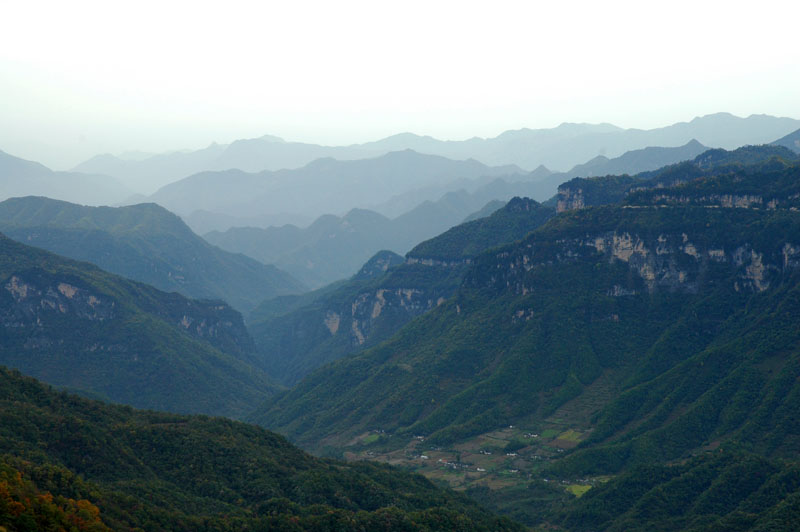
pixel 557 148
pixel 334 247
pixel 636 161
pixel 325 185
pixel 19 177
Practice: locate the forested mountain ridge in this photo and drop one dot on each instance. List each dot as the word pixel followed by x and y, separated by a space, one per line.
pixel 469 363
pixel 611 338
pixel 147 243
pixel 73 325
pixel 356 314
pixel 99 467
pixel 749 161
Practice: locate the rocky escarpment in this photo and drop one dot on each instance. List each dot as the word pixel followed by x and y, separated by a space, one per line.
pixel 360 313
pixel 570 198
pixel 427 261
pixel 32 297
pixel 581 192
pixel 749 177
pixel 71 324
pixel 393 304
pixel 34 300
pixel 681 196
pixel 681 260
pixel 213 321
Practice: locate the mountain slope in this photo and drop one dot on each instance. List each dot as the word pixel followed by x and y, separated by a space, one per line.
pixel 367 309
pixel 636 161
pixel 74 325
pixel 154 471
pixel 727 490
pixel 467 367
pixel 19 177
pixel 146 243
pixel 791 141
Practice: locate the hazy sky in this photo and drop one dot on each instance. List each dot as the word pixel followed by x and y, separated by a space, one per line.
pixel 78 78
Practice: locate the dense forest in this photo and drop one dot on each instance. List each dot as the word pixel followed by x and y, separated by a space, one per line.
pixel 79 462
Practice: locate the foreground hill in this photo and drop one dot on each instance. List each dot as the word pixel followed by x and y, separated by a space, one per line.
pixel 295 337
pixel 65 459
pixel 147 243
pixel 73 325
pixel 19 177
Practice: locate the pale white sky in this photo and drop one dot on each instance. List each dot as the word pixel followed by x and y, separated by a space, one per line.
pixel 83 77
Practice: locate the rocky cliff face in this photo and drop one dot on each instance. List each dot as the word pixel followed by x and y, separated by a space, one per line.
pixel 570 198
pixel 369 309
pixel 359 314
pixel 673 261
pixel 31 298
pixel 739 201
pixel 36 300
pixel 750 177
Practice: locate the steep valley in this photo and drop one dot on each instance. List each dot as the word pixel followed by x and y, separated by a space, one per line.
pixel 608 340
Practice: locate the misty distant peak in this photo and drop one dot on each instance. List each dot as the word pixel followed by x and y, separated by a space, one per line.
pixel 715 116
pixel 271 138
pixel 583 127
pixel 406 136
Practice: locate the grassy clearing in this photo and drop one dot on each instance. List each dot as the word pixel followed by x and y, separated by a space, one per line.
pixel 372 438
pixel 571 435
pixel 578 489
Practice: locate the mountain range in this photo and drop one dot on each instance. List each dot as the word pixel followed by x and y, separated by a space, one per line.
pixel 322 186
pixel 334 248
pixel 147 243
pixel 558 148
